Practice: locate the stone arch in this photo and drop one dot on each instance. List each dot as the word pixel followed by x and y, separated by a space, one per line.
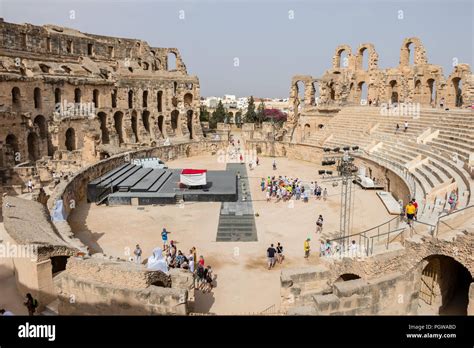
pixel 175 120
pixel 417 92
pixel 299 87
pixel 340 61
pixel 33 147
pixel 188 100
pixel 96 98
pixel 70 139
pixel 103 127
pixel 37 98
pixel 57 95
pixel 172 61
pixel 12 149
pixel 393 95
pixel 347 277
pixel 456 85
pixel 146 120
pixel 431 88
pixel 77 95
pixel 145 99
pixel 444 285
pixel 306 131
pixel 134 121
pixel 40 123
pixel 16 98
pixel 362 94
pixel 118 124
pixel 367 57
pixel 412 45
pixel 189 116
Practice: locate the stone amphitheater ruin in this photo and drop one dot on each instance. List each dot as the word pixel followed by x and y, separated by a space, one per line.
pixel 142 108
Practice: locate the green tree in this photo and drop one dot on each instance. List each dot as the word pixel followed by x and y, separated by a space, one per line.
pixel 251 115
pixel 261 112
pixel 203 114
pixel 217 116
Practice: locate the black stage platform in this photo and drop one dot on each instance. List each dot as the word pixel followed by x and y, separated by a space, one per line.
pixel 132 184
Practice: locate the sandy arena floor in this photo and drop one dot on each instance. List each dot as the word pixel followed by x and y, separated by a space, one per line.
pixel 244 285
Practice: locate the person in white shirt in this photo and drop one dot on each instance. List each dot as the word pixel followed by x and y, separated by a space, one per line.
pixel 353 248
pixel 5 313
pixel 406 126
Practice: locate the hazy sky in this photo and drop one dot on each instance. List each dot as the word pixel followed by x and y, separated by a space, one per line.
pixel 270 46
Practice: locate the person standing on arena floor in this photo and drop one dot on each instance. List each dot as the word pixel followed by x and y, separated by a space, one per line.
pixel 271 251
pixel 306 247
pixel 406 126
pixel 280 256
pixel 410 211
pixel 138 254
pixel 319 224
pixel 325 194
pixel 164 237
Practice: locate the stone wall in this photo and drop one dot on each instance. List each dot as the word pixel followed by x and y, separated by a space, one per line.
pixel 389 282
pixel 122 93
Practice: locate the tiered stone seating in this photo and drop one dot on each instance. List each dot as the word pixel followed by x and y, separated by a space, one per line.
pixel 366 127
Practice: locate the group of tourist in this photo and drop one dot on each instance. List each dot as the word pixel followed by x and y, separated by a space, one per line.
pixel 284 188
pixel 328 248
pixel 169 256
pixel 275 255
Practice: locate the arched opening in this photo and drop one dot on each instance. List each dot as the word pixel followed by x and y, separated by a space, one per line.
pixel 306 131
pixel 188 100
pixel 159 104
pixel 77 95
pixel 135 126
pixel 362 90
pixel 58 264
pixel 16 98
pixel 145 99
pixel 57 96
pixel 33 147
pixel 393 92
pixel 103 128
pixel 432 91
pixel 40 124
pixel 130 99
pixel 95 98
pixel 347 277
pixel 457 91
pixel 417 91
pixel 146 121
pixel 189 116
pixel 175 87
pixel 174 120
pixel 70 139
pixel 114 98
pixel 172 61
pixel 37 97
pixel 118 118
pixel 12 149
pixel 444 287
pixel 160 123
pixel 364 59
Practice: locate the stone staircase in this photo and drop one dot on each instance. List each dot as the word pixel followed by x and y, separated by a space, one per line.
pixel 236 219
pixel 443 155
